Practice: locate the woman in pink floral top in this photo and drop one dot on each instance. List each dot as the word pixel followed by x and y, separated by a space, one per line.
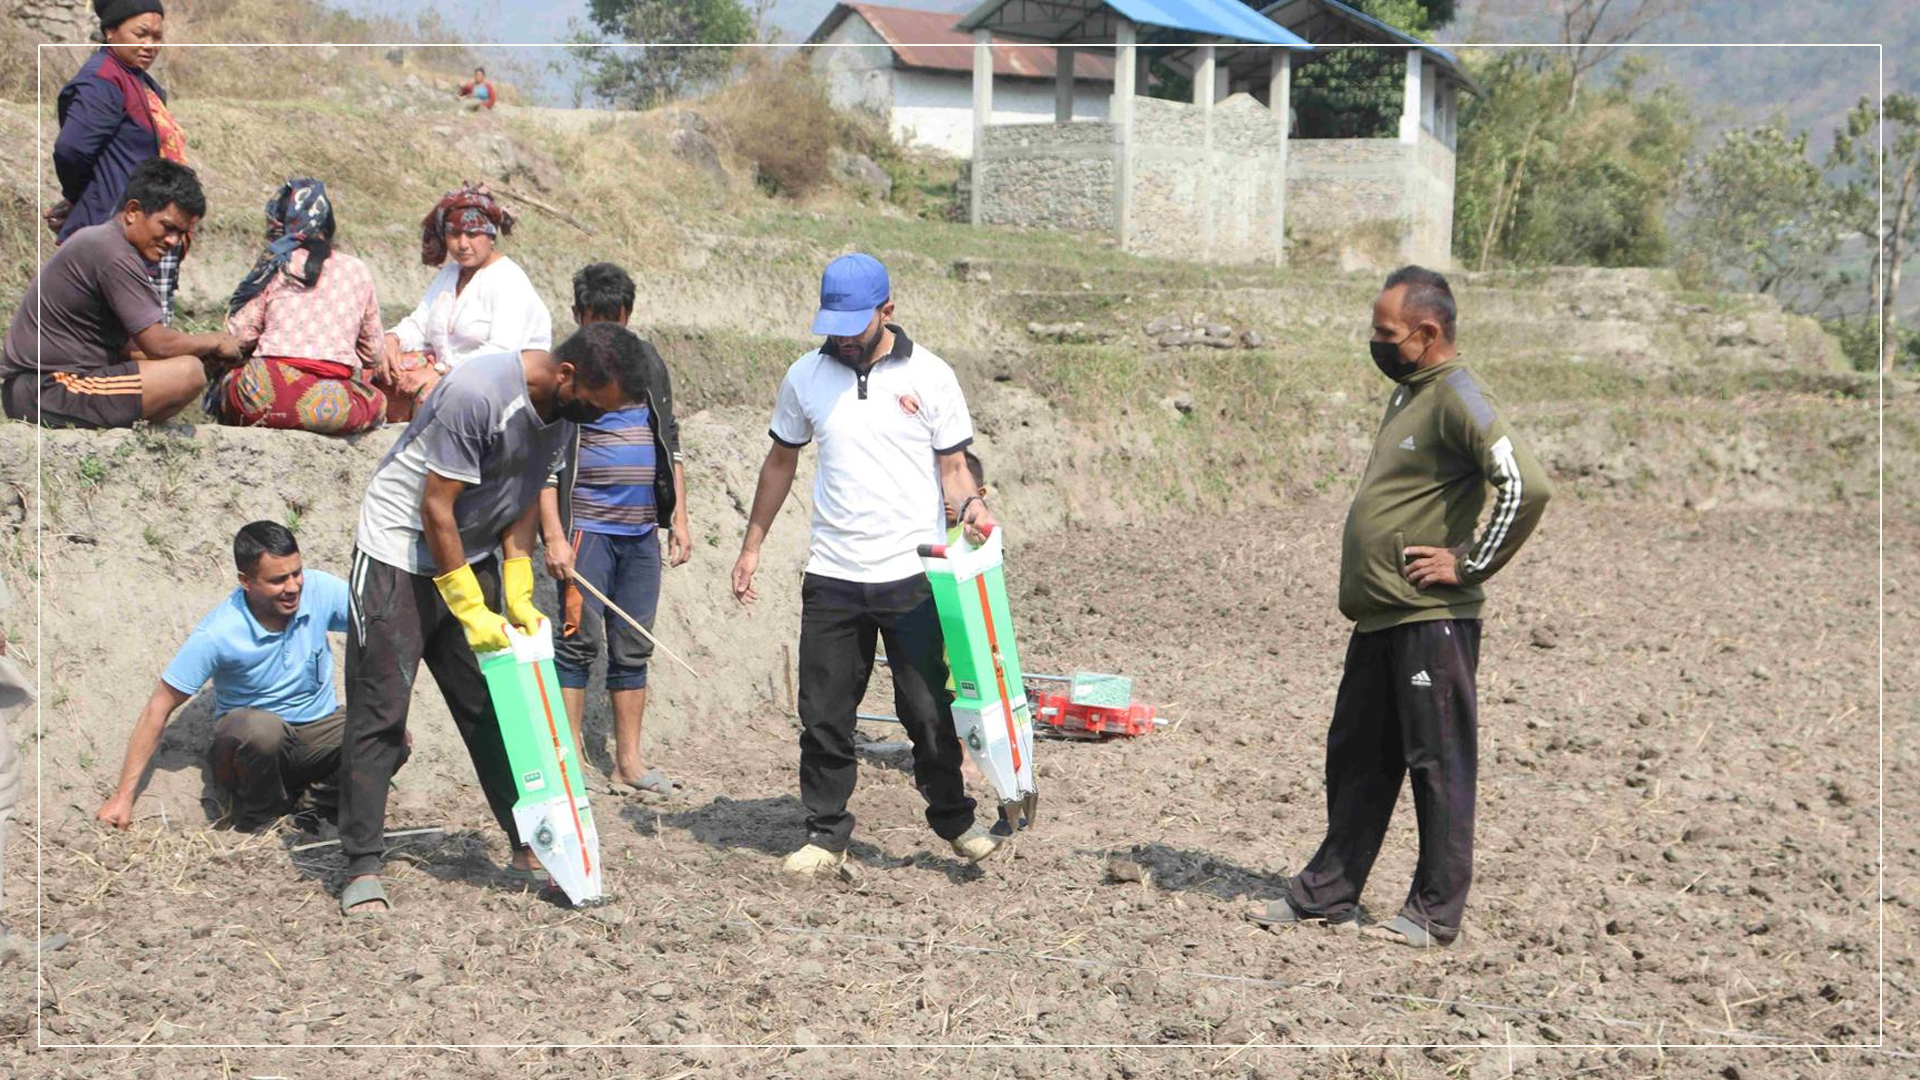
pixel 311 322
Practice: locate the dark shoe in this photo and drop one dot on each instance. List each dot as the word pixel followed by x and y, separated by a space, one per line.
pixel 1401 930
pixel 357 898
pixel 1281 912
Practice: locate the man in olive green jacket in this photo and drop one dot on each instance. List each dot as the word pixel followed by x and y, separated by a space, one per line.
pixel 1411 570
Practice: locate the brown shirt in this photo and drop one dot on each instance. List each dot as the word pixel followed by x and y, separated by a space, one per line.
pixel 83 305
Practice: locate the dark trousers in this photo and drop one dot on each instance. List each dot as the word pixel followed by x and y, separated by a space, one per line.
pixel 398 620
pixel 1405 708
pixel 627 569
pixel 268 764
pixel 839 621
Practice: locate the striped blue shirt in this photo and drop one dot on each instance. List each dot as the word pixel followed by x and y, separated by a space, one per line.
pixel 613 487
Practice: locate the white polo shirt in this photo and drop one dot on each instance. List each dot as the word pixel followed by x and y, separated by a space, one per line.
pixel 876 491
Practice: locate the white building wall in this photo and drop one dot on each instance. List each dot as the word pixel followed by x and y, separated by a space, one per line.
pixel 858 67
pixel 934 109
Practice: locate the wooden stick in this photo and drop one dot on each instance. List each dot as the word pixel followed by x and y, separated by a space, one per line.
pixel 615 608
pixel 389 836
pixel 786 669
pixel 538 205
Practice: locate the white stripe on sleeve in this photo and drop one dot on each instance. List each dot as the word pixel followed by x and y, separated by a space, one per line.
pixel 1505 510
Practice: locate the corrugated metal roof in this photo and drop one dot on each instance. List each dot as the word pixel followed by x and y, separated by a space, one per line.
pixel 933 40
pixel 1325 19
pixel 1170 21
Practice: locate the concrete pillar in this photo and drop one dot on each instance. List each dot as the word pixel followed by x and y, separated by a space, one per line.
pixel 1127 63
pixel 1062 85
pixel 1280 87
pixel 1280 102
pixel 982 114
pixel 1206 86
pixel 1410 100
pixel 1222 83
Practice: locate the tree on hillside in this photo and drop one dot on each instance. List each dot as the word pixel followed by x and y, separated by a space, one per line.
pixel 670 50
pixel 1763 218
pixel 1541 183
pixel 1593 31
pixel 1893 232
pixel 1590 32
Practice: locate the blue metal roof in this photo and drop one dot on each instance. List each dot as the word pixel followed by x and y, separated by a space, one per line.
pixel 1222 18
pixel 1170 21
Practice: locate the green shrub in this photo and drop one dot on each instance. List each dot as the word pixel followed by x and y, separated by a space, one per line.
pixel 776 115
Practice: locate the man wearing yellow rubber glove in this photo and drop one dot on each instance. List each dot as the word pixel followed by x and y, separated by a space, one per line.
pixel 446 530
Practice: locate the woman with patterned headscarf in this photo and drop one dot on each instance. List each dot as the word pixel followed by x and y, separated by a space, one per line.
pixel 113 116
pixel 310 319
pixel 480 303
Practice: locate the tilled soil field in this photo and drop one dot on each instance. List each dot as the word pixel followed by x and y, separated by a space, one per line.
pixel 1678 833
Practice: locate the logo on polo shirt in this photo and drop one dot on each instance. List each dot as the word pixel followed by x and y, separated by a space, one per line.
pixel 909 404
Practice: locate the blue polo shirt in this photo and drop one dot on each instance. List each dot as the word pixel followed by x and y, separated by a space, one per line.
pixel 289 673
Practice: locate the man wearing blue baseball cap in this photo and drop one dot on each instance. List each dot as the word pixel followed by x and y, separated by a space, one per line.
pixel 891 424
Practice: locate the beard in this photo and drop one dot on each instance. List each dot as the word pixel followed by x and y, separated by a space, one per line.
pixel 857 350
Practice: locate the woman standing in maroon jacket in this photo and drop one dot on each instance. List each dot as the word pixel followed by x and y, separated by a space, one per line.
pixel 113 116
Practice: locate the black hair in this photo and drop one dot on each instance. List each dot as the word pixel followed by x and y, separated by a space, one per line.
pixel 603 353
pixel 974 467
pixel 158 183
pixel 479 71
pixel 112 13
pixel 603 289
pixel 1428 296
pixel 257 538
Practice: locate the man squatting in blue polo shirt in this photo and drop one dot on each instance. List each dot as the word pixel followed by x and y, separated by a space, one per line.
pixel 265 649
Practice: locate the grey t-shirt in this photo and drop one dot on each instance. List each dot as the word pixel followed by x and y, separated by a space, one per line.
pixel 83 305
pixel 478 427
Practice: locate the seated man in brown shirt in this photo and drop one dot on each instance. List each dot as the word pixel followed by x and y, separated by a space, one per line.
pixel 70 356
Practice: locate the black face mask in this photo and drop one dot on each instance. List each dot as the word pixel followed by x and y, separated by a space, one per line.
pixel 1386 357
pixel 579 410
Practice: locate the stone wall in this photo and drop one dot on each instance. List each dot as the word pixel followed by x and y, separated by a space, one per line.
pixel 1048 176
pixel 1216 185
pixel 1350 193
pixel 1430 199
pixel 1204 182
pixel 69 21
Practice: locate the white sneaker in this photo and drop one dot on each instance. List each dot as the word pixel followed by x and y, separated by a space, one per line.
pixel 976 844
pixel 812 859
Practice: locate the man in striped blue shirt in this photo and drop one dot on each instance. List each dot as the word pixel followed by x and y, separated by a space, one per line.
pixel 601 519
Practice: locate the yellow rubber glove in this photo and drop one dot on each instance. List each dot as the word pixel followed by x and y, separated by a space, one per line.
pixel 516 587
pixel 486 630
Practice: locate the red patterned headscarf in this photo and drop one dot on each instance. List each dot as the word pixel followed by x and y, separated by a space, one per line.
pixel 470 209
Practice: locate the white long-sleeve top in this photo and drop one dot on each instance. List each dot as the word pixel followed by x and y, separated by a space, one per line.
pixel 497 312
